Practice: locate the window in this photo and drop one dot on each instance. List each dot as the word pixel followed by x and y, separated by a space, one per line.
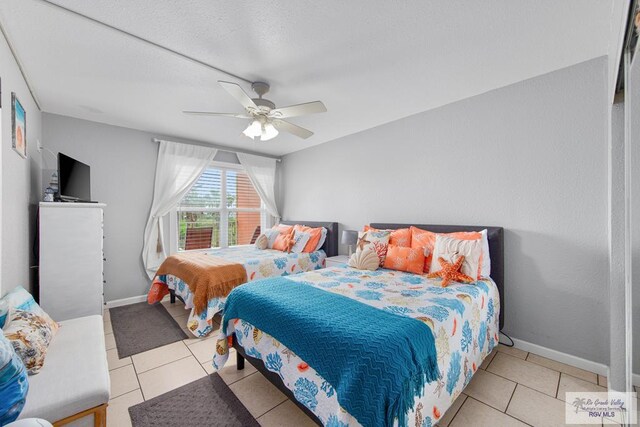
pixel 222 209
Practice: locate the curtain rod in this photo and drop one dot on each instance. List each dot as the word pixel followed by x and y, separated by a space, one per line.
pixel 223 148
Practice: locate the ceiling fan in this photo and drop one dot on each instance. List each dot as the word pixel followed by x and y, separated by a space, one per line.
pixel 265 119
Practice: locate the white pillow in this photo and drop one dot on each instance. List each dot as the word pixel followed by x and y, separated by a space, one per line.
pixel 486 258
pixel 300 240
pixel 323 237
pixel 271 236
pixel 450 249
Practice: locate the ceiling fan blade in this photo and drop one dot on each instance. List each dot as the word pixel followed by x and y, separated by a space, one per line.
pixel 293 129
pixel 238 93
pixel 208 113
pixel 299 110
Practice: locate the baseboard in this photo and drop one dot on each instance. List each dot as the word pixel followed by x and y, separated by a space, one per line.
pixel 561 357
pixel 578 362
pixel 126 301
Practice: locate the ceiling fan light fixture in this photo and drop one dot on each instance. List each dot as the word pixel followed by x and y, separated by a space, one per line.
pixel 254 129
pixel 269 131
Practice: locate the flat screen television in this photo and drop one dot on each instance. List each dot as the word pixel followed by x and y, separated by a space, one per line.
pixel 73 179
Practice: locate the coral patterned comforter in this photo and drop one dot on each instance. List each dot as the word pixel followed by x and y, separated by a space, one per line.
pixel 464 319
pixel 259 264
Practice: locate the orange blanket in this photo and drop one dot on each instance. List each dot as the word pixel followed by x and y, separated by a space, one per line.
pixel 207 276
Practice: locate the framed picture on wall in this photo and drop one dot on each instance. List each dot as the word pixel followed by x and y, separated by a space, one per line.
pixel 18 126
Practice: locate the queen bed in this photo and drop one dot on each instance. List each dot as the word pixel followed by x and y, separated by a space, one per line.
pixel 465 320
pixel 257 264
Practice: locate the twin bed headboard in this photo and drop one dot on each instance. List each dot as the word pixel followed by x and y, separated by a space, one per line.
pixel 496 249
pixel 330 246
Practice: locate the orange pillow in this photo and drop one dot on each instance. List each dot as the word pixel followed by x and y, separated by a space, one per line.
pixel 316 235
pixel 399 237
pixel 427 240
pixel 286 229
pixel 423 239
pixel 284 242
pixel 404 259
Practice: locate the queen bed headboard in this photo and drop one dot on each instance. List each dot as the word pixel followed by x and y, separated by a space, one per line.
pixel 496 249
pixel 330 246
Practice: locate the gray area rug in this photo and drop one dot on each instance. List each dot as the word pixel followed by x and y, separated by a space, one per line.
pixel 205 402
pixel 141 327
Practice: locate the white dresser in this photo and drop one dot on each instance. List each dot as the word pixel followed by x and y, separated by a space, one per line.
pixel 71 259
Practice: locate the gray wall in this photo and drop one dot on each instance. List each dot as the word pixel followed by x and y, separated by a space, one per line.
pixel 20 181
pixel 123 165
pixel 531 157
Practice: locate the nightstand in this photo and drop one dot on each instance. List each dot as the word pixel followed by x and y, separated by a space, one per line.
pixel 337 260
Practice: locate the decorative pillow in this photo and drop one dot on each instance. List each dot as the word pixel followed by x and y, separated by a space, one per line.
pixel 450 272
pixel 19 299
pixel 377 241
pixel 450 249
pixel 315 234
pixel 364 260
pixel 4 311
pixel 399 237
pixel 271 234
pixel 323 237
pixel 262 242
pixel 300 240
pixel 13 382
pixel 425 240
pixel 404 259
pixel 486 258
pixel 30 336
pixel 283 242
pixel 286 229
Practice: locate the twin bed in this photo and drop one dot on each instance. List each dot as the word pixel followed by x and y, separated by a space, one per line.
pixel 344 351
pixel 258 264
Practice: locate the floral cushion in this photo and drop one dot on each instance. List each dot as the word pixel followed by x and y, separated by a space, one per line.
pixel 20 299
pixel 398 237
pixel 30 336
pixel 377 241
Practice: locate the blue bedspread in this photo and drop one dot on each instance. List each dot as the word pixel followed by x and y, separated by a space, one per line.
pixel 376 360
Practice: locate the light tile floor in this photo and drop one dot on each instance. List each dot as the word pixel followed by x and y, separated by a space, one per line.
pixel 512 387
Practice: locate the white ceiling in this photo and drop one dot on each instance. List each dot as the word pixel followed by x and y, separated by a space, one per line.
pixel 369 62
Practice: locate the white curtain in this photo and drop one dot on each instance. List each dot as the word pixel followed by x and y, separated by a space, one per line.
pixel 179 166
pixel 262 173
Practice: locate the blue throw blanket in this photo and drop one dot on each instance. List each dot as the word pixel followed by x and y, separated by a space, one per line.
pixel 377 361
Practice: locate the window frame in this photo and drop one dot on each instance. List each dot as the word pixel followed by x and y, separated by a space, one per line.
pixel 223 210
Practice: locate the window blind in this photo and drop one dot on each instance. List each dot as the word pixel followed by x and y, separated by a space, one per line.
pixel 205 221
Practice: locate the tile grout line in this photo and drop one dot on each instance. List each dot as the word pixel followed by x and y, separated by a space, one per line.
pixel 126 392
pixel 168 363
pixel 456 413
pixel 542 366
pixel 279 404
pixel 138 380
pixel 511 398
pixel 482 403
pixel 573 376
